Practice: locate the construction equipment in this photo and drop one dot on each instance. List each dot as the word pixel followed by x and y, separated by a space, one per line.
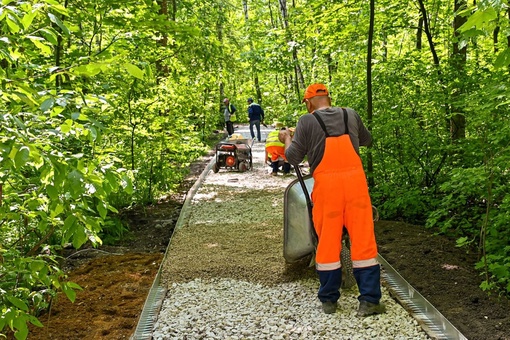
pixel 233 154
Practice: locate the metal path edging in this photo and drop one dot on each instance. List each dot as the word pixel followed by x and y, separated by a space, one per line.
pixel 428 317
pixel 157 293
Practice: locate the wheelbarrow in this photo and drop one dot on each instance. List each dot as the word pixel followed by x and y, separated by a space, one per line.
pixel 300 239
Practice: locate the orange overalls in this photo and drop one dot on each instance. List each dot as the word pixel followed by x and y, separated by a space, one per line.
pixel 340 198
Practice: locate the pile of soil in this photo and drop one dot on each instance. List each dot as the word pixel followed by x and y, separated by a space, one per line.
pixel 116 279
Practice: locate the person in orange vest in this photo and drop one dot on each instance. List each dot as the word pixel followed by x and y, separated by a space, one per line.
pixel 275 152
pixel 330 137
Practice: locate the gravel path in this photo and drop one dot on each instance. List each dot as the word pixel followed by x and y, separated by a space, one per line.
pixel 227 279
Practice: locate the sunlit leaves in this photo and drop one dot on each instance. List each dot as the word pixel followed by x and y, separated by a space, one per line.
pixel 134 71
pixel 21 157
pixel 479 19
pixel 59 23
pixel 503 58
pixel 50 35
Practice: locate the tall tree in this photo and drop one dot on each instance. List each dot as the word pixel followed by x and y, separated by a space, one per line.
pixel 458 64
pixel 370 165
pixel 253 59
pixel 298 74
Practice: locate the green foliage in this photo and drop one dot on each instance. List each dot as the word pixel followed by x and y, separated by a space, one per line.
pixel 27 286
pixel 463 205
pixel 105 104
pixel 498 266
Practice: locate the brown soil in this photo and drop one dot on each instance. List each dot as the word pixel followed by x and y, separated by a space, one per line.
pixel 116 286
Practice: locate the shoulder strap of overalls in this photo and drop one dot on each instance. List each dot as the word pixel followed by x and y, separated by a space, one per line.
pixel 321 122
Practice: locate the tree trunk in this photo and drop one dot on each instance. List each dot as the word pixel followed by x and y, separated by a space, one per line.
pixel 163 42
pixel 58 52
pixel 174 10
pixel 458 63
pixel 299 81
pixel 254 72
pixel 419 34
pixel 508 13
pixel 428 34
pixel 370 164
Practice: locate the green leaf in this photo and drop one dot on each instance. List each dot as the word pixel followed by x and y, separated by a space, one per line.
pixel 127 185
pixel 50 35
pixel 93 134
pixel 59 23
pixel 479 19
pixel 74 285
pixel 22 157
pixel 57 7
pixel 21 326
pixel 52 192
pixel 37 265
pixel 88 70
pixel 27 19
pixel 45 50
pixel 58 210
pixel 47 104
pixel 79 237
pixel 70 293
pixel 134 71
pixel 66 127
pixel 102 209
pixel 13 27
pixel 35 321
pixel 69 222
pixel 18 303
pixel 503 59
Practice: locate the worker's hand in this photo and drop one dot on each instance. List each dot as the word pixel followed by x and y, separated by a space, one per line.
pixel 283 135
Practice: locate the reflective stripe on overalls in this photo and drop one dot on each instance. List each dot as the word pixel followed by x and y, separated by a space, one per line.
pixel 340 198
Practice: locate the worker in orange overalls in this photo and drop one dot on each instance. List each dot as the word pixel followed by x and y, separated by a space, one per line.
pixel 275 152
pixel 330 137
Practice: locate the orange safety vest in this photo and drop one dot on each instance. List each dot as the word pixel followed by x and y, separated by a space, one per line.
pixel 340 198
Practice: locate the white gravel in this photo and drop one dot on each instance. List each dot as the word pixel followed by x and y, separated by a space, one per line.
pixel 226 308
pixel 230 309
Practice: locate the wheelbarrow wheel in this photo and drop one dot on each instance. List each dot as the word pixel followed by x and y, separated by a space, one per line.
pixel 216 168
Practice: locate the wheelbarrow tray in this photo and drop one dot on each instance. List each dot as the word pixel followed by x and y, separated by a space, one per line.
pixel 297 228
pixel 298 241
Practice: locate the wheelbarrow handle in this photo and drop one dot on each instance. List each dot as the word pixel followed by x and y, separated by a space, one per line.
pixel 315 237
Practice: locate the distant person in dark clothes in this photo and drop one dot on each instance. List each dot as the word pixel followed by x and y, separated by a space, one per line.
pixel 256 116
pixel 227 113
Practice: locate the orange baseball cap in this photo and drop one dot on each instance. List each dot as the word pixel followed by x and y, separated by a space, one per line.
pixel 315 90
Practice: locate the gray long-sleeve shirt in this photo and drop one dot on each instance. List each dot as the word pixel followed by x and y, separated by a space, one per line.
pixel 309 138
